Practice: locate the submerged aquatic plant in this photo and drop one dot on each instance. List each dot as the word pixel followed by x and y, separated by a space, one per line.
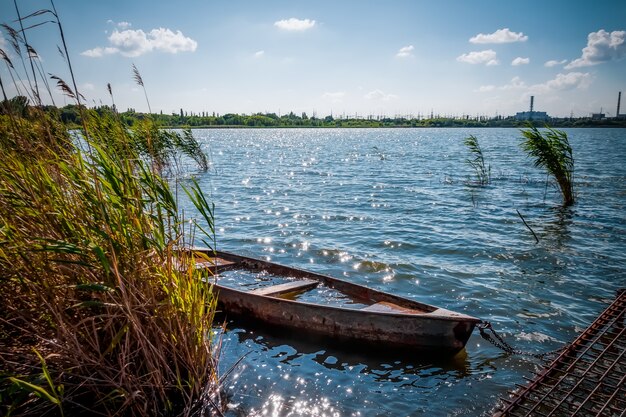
pixel 551 150
pixel 483 173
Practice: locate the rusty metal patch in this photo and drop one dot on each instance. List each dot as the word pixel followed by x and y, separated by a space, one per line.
pixel 587 379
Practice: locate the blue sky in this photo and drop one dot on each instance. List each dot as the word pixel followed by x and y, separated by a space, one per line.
pixel 353 57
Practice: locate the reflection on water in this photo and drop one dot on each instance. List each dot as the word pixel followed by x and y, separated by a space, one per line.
pixel 383 364
pixel 392 209
pixel 555 226
pixel 332 372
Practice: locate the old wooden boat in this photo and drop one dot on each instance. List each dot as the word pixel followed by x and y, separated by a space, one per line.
pixel 370 317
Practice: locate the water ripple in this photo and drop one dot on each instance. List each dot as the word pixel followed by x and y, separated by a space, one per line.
pixel 397 210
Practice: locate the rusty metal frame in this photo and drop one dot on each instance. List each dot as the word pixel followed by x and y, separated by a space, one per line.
pixel 587 379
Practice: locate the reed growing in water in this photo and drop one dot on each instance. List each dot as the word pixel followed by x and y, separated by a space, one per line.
pixel 551 150
pixel 100 313
pixel 483 173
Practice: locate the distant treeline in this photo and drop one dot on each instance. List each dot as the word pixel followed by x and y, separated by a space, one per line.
pixel 71 116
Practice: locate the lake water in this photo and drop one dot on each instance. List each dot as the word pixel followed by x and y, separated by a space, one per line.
pixel 393 209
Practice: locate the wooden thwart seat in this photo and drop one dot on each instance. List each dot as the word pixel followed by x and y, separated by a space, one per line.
pixel 289 287
pixel 214 264
pixel 387 307
pixel 202 263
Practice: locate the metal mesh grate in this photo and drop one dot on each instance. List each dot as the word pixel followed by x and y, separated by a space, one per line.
pixel 587 379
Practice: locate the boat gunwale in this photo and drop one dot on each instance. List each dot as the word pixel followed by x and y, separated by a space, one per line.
pixel 431 315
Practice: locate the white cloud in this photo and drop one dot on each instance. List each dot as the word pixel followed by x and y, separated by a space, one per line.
pixel 379 95
pixel 405 51
pixel 568 81
pixel 165 40
pixel 554 63
pixel 335 97
pixel 487 57
pixel 295 25
pixel 259 54
pixel 520 61
pixel 99 52
pixel 120 25
pixel 561 82
pixel 516 83
pixel 485 88
pixel 87 87
pixel 602 46
pixel 499 36
pixel 132 43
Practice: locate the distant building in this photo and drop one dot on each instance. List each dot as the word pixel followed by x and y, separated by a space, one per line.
pixel 598 116
pixel 531 114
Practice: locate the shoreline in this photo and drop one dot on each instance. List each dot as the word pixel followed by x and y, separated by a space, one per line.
pixel 521 126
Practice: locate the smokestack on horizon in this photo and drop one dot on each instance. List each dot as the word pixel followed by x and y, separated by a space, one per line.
pixel 532 103
pixel 619 99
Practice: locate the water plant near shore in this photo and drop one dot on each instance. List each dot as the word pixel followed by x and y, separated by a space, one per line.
pixel 100 312
pixel 551 150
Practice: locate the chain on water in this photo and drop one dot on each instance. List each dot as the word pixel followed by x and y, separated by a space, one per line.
pixel 495 339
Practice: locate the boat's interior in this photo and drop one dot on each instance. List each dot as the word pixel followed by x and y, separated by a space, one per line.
pixel 294 288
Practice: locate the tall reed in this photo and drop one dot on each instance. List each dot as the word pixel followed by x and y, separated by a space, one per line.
pixel 92 282
pixel 482 172
pixel 551 150
pixel 101 312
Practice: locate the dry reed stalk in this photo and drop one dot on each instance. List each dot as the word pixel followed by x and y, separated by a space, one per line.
pixel 88 228
pixel 87 267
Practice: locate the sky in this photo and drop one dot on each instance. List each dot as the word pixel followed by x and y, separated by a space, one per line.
pixel 346 57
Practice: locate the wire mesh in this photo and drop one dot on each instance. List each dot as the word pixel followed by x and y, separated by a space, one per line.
pixel 587 379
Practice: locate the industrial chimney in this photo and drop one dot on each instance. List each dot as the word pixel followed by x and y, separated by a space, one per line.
pixel 532 103
pixel 619 99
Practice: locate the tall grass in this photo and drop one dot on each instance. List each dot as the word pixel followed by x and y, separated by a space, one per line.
pixel 477 163
pixel 101 314
pixel 551 150
pixel 87 264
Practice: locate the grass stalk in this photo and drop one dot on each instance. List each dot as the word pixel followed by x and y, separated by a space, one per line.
pixel 34 83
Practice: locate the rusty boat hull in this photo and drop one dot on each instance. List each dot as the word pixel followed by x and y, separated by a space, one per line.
pixel 386 321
